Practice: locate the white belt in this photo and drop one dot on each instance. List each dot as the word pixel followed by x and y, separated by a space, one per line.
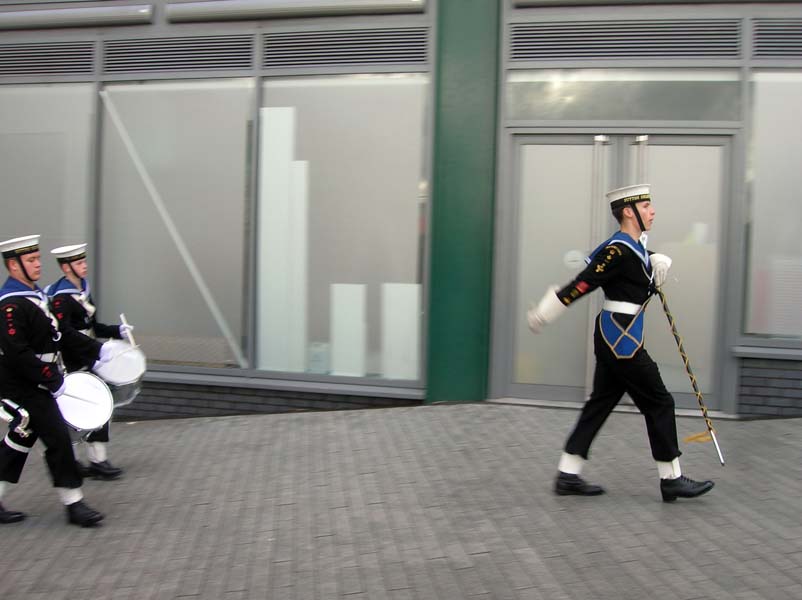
pixel 48 357
pixel 624 308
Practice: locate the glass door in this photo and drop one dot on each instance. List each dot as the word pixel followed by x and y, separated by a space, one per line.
pixel 560 214
pixel 555 224
pixel 689 180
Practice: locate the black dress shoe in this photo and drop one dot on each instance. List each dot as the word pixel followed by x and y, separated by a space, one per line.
pixel 83 469
pixel 568 484
pixel 10 516
pixel 79 513
pixel 683 487
pixel 104 470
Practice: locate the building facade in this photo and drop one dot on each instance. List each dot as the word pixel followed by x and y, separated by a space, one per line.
pixel 347 203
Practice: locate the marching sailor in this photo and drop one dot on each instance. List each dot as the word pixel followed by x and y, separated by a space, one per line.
pixel 628 274
pixel 31 377
pixel 72 304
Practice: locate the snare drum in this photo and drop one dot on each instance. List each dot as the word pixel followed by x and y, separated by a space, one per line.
pixel 123 373
pixel 86 404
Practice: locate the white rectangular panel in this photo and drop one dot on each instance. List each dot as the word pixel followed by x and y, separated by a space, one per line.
pixel 400 319
pixel 282 227
pixel 348 329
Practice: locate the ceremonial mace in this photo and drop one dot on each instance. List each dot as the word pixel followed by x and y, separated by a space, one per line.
pixel 710 434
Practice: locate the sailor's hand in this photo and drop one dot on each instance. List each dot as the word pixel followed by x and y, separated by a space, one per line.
pixel 125 329
pixel 660 266
pixel 105 355
pixel 534 319
pixel 547 310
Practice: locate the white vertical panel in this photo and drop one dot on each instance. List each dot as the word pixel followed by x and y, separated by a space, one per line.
pixel 348 329
pixel 296 264
pixel 282 229
pixel 785 290
pixel 400 319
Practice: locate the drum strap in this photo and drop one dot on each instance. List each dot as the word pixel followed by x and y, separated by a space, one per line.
pixel 41 304
pixel 83 300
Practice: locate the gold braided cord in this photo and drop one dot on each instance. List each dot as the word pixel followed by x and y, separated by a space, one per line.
pixel 697 437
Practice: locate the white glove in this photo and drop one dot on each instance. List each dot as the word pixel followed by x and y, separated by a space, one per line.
pixel 106 354
pixel 125 328
pixel 547 311
pixel 60 390
pixel 660 266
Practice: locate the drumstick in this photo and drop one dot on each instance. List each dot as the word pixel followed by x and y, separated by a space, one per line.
pixel 126 350
pixel 66 395
pixel 128 333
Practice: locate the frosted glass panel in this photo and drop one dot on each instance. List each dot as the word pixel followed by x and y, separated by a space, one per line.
pixel 555 190
pixel 687 228
pixel 175 162
pixel 45 145
pixel 361 138
pixel 775 245
pixel 623 94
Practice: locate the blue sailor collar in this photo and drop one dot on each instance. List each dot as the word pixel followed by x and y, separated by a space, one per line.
pixel 619 237
pixel 14 287
pixel 65 286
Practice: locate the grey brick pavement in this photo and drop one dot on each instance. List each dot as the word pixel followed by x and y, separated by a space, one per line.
pixel 417 503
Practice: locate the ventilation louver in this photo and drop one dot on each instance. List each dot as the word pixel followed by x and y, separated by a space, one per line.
pixel 51 58
pixel 665 39
pixel 777 38
pixel 398 46
pixel 178 54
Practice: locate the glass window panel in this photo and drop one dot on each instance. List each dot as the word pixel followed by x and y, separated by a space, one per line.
pixel 175 161
pixel 775 245
pixel 554 215
pixel 687 228
pixel 623 94
pixel 342 204
pixel 45 145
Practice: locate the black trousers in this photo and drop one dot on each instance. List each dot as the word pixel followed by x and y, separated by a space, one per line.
pixel 47 424
pixel 640 378
pixel 99 435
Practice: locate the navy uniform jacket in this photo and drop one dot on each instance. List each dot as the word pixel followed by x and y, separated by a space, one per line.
pixel 620 266
pixel 29 342
pixel 75 311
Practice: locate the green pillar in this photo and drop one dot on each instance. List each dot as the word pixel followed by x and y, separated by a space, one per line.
pixel 462 201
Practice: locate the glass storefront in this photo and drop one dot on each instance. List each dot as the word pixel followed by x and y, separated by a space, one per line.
pixel 774 182
pixel 46 139
pixel 340 205
pixel 173 216
pixel 342 208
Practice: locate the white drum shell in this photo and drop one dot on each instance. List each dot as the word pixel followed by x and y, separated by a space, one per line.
pixel 126 366
pixel 86 403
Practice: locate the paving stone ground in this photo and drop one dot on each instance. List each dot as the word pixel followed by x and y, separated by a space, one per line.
pixel 417 503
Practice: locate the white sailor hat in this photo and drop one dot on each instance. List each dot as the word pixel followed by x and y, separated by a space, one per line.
pixel 20 246
pixel 68 254
pixel 628 195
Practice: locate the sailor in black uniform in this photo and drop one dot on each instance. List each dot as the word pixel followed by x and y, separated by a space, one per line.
pixel 72 304
pixel 31 376
pixel 628 274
